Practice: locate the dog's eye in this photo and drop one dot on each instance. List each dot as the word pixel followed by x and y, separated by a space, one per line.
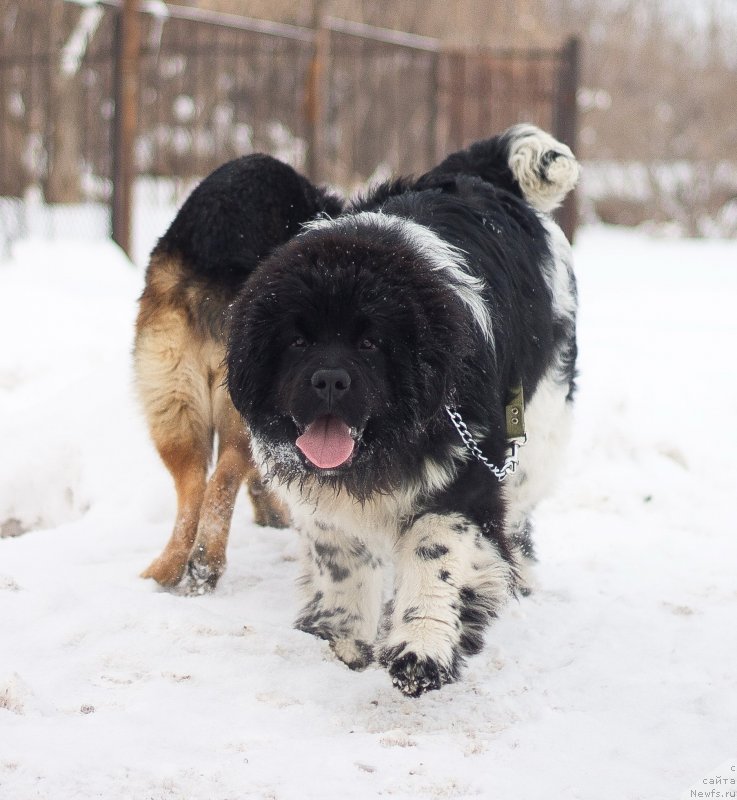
pixel 299 343
pixel 366 344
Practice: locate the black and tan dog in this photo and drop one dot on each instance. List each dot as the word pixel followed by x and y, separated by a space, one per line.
pixel 234 218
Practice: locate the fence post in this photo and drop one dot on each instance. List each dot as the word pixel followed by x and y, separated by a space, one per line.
pixel 457 103
pixel 566 123
pixel 64 146
pixel 127 53
pixel 316 90
pixel 432 128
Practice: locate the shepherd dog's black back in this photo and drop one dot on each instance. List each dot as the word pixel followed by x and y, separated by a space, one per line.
pixel 238 215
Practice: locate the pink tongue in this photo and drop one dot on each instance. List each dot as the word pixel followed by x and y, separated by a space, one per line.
pixel 327 442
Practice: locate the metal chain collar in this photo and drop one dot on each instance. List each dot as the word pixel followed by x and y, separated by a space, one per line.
pixel 510 462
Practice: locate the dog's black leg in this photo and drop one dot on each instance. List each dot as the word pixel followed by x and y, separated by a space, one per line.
pixel 450 582
pixel 343 582
pixel 521 542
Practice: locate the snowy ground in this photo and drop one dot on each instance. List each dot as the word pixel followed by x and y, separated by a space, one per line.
pixel 616 680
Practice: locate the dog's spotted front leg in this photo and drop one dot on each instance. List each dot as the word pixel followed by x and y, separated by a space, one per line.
pixel 450 582
pixel 343 582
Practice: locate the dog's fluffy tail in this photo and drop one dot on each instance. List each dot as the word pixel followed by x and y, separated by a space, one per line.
pixel 544 168
pixel 524 159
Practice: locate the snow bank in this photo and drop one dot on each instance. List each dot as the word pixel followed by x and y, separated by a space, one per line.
pixel 71 435
pixel 614 680
pixel 678 198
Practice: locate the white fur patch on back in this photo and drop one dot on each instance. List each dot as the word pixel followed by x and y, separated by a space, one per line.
pixel 558 271
pixel 545 169
pixel 441 256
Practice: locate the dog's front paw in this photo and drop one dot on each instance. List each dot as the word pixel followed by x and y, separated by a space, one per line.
pixel 354 653
pixel 167 569
pixel 202 577
pixel 414 675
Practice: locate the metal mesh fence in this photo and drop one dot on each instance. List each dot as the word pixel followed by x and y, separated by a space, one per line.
pixel 345 103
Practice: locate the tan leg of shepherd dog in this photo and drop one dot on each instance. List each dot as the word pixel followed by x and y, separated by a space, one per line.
pixel 180 375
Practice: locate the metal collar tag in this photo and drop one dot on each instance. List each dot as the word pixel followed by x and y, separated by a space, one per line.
pixel 515 414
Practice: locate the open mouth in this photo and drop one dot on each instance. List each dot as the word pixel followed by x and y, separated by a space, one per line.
pixel 327 442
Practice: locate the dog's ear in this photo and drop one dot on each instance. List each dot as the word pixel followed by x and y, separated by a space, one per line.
pixel 248 350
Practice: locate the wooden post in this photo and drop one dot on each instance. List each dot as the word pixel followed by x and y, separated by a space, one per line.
pixel 432 127
pixel 63 177
pixel 125 122
pixel 566 124
pixel 314 106
pixel 457 106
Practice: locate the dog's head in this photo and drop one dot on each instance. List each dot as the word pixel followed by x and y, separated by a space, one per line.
pixel 344 347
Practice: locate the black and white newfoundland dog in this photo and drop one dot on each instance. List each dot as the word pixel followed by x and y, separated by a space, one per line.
pixel 380 360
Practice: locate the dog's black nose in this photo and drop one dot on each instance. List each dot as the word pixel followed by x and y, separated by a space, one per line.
pixel 331 384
